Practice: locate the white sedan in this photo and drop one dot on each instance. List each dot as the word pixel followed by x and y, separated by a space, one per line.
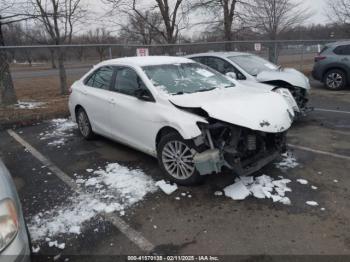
pixel 193 119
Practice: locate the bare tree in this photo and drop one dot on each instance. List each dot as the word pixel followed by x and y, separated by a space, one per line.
pixel 224 12
pixel 274 17
pixel 174 14
pixel 58 18
pixel 99 36
pixel 338 11
pixel 139 31
pixel 10 12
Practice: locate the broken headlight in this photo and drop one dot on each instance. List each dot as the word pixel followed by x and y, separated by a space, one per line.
pixel 287 95
pixel 8 223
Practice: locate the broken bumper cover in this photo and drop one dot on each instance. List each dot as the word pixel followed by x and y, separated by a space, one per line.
pixel 211 161
pixel 245 170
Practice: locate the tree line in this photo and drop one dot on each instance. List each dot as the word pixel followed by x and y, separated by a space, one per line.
pixel 56 22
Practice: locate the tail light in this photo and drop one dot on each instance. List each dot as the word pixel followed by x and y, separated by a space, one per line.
pixel 70 90
pixel 319 58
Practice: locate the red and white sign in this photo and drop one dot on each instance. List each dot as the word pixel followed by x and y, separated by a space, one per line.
pixel 142 52
pixel 257 47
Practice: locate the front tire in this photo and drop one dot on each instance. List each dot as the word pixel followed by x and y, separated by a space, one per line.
pixel 335 80
pixel 84 124
pixel 175 156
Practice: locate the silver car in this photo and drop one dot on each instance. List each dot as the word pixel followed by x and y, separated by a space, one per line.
pixel 14 241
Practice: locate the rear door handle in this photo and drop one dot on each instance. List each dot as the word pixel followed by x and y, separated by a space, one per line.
pixel 84 92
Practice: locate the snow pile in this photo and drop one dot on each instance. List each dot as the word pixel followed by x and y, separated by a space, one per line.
pixel 29 105
pixel 111 190
pixel 260 187
pixel 288 161
pixel 127 185
pixel 64 220
pixel 167 188
pixel 59 130
pixel 302 181
pixel 312 203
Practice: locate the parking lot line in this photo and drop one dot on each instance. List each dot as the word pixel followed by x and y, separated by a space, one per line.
pixel 133 235
pixel 331 111
pixel 319 152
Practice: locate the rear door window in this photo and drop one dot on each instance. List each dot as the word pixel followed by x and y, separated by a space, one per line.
pixel 101 78
pixel 342 50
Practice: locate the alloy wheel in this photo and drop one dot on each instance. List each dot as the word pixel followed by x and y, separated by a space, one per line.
pixel 177 159
pixel 334 80
pixel 83 123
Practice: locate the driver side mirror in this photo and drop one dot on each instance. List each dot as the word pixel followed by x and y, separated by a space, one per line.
pixel 144 95
pixel 231 75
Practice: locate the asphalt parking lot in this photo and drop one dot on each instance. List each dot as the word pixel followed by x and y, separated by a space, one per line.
pixel 192 220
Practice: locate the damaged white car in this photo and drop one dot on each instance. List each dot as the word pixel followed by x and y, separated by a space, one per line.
pixel 193 119
pixel 254 69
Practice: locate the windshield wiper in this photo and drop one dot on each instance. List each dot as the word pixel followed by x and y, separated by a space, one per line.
pixel 180 93
pixel 205 90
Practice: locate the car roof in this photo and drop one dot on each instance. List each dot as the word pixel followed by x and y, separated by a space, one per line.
pixel 339 43
pixel 146 60
pixel 219 54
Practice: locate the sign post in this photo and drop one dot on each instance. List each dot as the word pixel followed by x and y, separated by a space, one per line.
pixel 142 52
pixel 257 47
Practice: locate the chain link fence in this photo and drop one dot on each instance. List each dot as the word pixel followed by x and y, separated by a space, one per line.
pixel 298 54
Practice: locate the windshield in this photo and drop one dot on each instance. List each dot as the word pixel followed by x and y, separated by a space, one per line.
pixel 252 64
pixel 185 78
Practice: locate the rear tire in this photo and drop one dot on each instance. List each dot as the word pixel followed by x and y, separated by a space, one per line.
pixel 335 79
pixel 84 124
pixel 175 156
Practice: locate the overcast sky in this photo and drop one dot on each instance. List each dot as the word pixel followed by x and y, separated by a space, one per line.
pixel 316 6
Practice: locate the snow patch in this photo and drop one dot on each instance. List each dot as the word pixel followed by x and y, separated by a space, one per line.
pixel 166 188
pixel 302 181
pixel 29 105
pixel 59 130
pixel 123 187
pixel 237 191
pixel 218 193
pixel 288 162
pixel 261 187
pixel 312 203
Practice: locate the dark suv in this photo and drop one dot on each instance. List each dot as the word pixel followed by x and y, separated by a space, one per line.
pixel 332 65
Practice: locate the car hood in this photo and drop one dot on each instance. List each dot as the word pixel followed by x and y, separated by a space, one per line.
pixel 261 111
pixel 288 75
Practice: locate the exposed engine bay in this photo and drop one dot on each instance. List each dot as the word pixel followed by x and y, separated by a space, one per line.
pixel 240 149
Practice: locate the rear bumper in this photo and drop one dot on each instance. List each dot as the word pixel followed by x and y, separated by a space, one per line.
pixel 317 73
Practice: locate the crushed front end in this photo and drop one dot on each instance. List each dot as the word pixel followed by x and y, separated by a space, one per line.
pixel 242 150
pixel 301 98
